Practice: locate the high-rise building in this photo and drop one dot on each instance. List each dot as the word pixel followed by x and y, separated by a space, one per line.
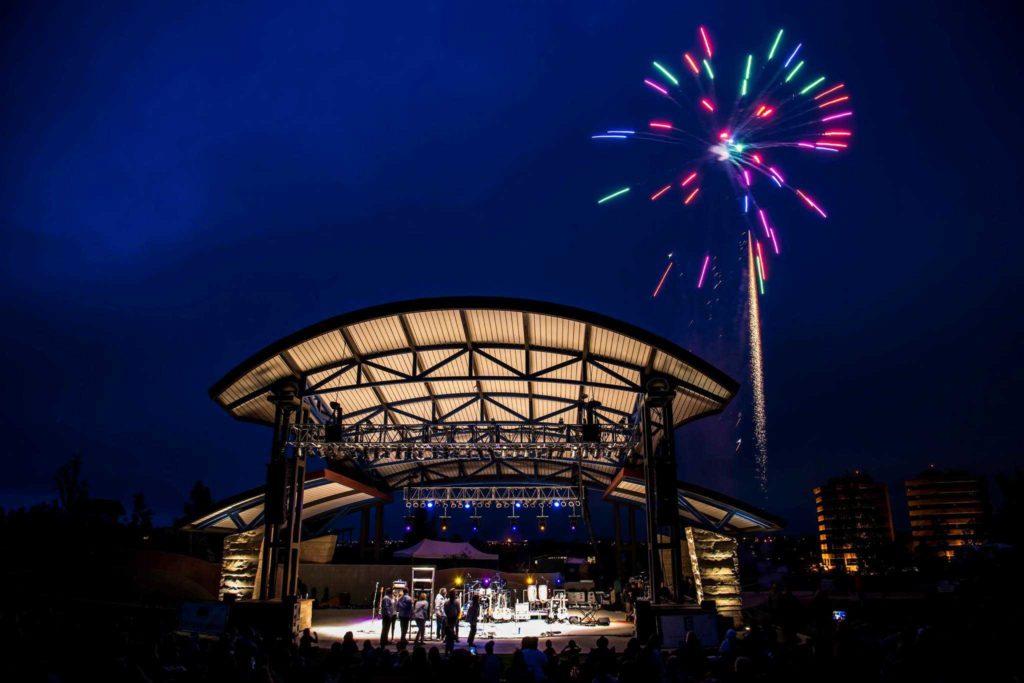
pixel 947 511
pixel 854 521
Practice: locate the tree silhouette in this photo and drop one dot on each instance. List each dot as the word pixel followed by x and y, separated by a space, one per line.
pixel 200 501
pixel 72 489
pixel 142 516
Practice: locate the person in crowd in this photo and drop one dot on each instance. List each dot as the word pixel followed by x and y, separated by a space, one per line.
pixel 419 615
pixel 535 660
pixel 550 653
pixel 691 656
pixel 490 668
pixel 451 618
pixel 307 641
pixel 439 602
pixel 387 617
pixel 472 614
pixel 405 606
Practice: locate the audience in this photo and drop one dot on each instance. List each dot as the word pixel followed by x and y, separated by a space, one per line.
pixel 762 652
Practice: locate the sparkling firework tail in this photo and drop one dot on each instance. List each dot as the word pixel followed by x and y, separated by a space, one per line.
pixel 756 370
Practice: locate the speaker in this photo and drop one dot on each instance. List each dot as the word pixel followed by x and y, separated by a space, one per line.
pixel 604 621
pixel 665 490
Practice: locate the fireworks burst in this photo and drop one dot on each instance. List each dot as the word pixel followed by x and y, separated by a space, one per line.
pixel 778 104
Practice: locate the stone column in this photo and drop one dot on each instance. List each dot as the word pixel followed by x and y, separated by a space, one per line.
pixel 716 570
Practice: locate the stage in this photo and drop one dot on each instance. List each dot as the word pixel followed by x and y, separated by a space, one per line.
pixel 332 624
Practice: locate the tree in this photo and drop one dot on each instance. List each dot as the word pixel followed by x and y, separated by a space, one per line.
pixel 72 489
pixel 142 516
pixel 200 501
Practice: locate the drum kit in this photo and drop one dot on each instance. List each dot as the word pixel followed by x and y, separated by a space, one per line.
pixel 495 601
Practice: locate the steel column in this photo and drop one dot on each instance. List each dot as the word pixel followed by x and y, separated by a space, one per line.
pixel 662 505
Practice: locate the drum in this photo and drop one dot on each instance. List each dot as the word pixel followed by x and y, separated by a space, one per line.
pixel 542 592
pixel 531 593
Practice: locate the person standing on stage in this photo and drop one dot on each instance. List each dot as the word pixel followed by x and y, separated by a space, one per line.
pixel 419 614
pixel 439 601
pixel 405 605
pixel 472 614
pixel 451 620
pixel 387 617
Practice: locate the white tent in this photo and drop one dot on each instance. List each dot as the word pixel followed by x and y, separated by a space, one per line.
pixel 442 550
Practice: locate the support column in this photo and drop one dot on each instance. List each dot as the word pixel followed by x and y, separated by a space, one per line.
pixel 277 503
pixel 293 527
pixel 378 543
pixel 364 533
pixel 617 525
pixel 631 516
pixel 661 487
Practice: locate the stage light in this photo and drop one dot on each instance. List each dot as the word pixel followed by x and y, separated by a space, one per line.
pixel 458 580
pixel 518 504
pixel 467 505
pixel 409 519
pixel 557 504
pixel 475 519
pixel 542 522
pixel 529 580
pixel 444 522
pixel 573 522
pixel 430 503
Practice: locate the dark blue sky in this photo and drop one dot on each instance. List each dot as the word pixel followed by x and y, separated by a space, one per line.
pixel 182 183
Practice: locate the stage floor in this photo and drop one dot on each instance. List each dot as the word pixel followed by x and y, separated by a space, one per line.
pixel 332 624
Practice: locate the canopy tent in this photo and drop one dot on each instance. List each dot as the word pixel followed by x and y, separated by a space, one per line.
pixel 428 549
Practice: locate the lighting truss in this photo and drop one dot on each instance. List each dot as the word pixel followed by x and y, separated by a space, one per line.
pixel 367 443
pixel 485 496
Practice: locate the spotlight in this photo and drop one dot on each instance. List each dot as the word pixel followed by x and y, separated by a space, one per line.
pixel 409 519
pixel 542 522
pixel 430 503
pixel 444 522
pixel 519 504
pixel 458 580
pixel 475 520
pixel 574 522
pixel 467 505
pixel 557 504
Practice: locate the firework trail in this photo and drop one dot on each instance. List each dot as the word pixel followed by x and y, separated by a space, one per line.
pixel 756 365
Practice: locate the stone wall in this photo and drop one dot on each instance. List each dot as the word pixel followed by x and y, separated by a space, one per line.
pixel 239 567
pixel 716 570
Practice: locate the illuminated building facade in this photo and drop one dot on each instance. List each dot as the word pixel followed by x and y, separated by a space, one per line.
pixel 947 511
pixel 854 521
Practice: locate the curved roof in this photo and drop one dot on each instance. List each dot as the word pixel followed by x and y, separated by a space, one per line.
pixel 470 360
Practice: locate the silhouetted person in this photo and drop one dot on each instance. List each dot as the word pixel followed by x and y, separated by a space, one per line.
pixel 387 618
pixel 419 614
pixel 451 618
pixel 405 605
pixel 472 614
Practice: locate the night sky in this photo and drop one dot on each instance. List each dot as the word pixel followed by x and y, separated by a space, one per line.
pixel 184 183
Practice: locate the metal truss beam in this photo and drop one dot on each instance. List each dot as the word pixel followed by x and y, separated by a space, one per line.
pixel 380 444
pixel 498 496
